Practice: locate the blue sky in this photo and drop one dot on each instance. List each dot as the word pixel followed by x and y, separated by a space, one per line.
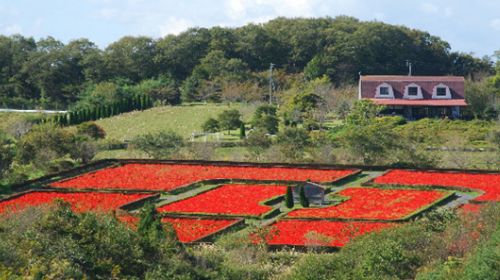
pixel 468 25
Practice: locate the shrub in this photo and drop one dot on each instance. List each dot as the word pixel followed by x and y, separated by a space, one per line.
pixel 210 125
pixel 92 130
pixel 158 145
pixel 293 142
pixel 257 142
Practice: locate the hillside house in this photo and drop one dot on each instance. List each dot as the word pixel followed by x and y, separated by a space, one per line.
pixel 415 97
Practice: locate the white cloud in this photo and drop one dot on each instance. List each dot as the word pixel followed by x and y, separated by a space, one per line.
pixel 236 9
pixel 495 23
pixel 174 26
pixel 429 8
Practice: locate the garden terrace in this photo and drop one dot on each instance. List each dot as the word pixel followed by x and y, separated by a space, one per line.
pixel 374 204
pixel 193 229
pixel 79 201
pixel 169 177
pixel 228 200
pixel 317 233
pixel 487 183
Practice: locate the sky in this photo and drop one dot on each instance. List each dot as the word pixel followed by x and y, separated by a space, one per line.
pixel 470 26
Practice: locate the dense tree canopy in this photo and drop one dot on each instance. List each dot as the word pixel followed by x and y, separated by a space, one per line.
pixel 206 63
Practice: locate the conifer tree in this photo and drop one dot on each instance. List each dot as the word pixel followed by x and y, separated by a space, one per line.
pixel 303 199
pixel 289 197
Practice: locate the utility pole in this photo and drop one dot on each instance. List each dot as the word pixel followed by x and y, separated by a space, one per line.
pixel 271 83
pixel 408 63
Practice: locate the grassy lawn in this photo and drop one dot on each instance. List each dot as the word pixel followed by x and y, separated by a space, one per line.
pixel 7 119
pixel 184 120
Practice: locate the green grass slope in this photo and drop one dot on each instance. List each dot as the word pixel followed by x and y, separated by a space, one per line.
pixel 184 119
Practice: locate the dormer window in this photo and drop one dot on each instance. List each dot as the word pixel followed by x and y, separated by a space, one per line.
pixel 413 91
pixel 384 90
pixel 441 91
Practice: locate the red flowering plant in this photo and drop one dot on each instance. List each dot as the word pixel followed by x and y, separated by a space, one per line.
pixel 168 177
pixel 488 184
pixel 375 204
pixel 190 229
pixel 319 233
pixel 79 201
pixel 233 200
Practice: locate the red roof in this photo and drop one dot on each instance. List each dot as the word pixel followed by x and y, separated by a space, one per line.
pixel 369 84
pixel 401 78
pixel 420 102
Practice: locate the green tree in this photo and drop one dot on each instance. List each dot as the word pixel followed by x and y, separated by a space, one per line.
pixel 265 117
pixel 158 145
pixel 229 119
pixel 257 142
pixel 131 58
pixel 7 151
pixel 304 201
pixel 243 134
pixel 289 197
pixel 362 113
pixel 210 125
pixel 293 142
pixel 150 226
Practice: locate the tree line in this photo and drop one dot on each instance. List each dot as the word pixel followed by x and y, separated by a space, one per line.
pixel 207 64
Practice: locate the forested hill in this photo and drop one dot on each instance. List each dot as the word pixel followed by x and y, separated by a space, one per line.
pixel 202 64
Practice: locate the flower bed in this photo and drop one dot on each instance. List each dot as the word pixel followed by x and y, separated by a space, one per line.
pixel 167 177
pixel 234 200
pixel 80 201
pixel 374 204
pixel 193 229
pixel 471 208
pixel 190 230
pixel 487 183
pixel 319 233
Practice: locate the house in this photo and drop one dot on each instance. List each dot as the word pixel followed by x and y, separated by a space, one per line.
pixel 315 193
pixel 415 97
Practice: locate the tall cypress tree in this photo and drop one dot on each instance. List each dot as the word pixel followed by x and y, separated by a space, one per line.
pixel 289 197
pixel 303 198
pixel 242 131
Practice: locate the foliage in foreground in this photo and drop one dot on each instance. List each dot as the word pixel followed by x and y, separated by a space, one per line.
pixel 57 243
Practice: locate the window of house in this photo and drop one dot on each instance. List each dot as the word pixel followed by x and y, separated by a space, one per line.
pixel 413 91
pixel 384 90
pixel 441 91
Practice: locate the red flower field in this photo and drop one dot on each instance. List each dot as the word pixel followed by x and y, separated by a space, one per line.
pixel 243 200
pixel 373 203
pixel 167 177
pixel 80 201
pixel 471 208
pixel 319 233
pixel 488 183
pixel 189 229
pixel 194 229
